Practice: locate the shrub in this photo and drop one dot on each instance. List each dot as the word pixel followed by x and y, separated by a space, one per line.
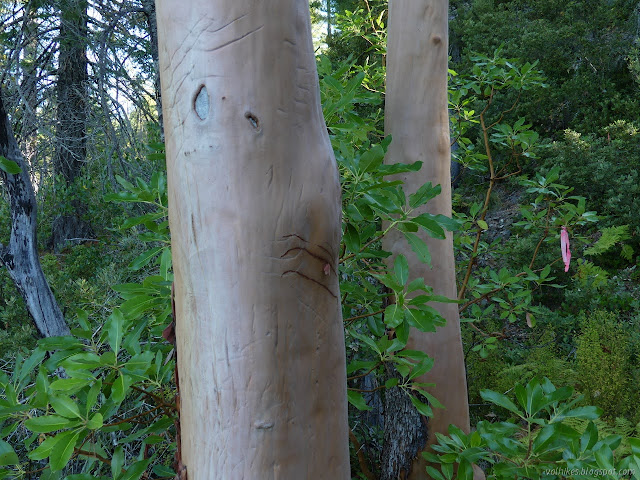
pixel 604 364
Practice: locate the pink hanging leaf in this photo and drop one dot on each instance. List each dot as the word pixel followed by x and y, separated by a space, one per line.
pixel 564 246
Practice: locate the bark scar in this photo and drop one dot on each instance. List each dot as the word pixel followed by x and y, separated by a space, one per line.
pixel 254 121
pixel 325 260
pixel 311 279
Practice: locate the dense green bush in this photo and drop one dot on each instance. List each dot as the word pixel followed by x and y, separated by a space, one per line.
pixel 584 48
pixel 605 168
pixel 605 364
pixel 552 438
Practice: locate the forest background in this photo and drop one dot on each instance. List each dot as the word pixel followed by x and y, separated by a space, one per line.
pixel 544 102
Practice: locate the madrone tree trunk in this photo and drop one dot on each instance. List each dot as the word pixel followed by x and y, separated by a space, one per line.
pixel 416 117
pixel 255 221
pixel 20 255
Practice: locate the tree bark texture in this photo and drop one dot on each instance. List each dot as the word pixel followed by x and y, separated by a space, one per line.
pixel 416 117
pixel 71 131
pixel 71 90
pixel 20 256
pixel 149 8
pixel 255 221
pixel 406 433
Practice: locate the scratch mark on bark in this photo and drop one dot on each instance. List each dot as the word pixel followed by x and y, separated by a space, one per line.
pixel 305 241
pixel 312 280
pixel 226 44
pixel 270 174
pixel 324 261
pixel 227 24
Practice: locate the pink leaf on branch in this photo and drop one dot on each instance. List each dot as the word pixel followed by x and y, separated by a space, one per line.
pixel 564 246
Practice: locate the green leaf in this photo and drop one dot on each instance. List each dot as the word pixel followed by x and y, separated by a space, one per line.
pixel 417 284
pixel 117 462
pixel 115 328
pixel 48 423
pixel 165 263
pixel 160 470
pixel 371 159
pixel 635 446
pixel 353 214
pixel 390 281
pixel 425 319
pixel 81 361
pixel 391 382
pixel 139 363
pixel 382 203
pixel 69 384
pixel 544 437
pixel 399 168
pixel 589 437
pixel 60 343
pixel 500 400
pixel 402 332
pixel 447 222
pixel 356 365
pixel 44 449
pixel 604 458
pixel 393 315
pixel 435 474
pixel 9 166
pixel 125 184
pixel 421 368
pixel 135 306
pixel 483 225
pixel 95 422
pixel 465 470
pixel 131 342
pixel 587 413
pixel 7 454
pixel 143 259
pixel 108 358
pixel 31 363
pixel 425 193
pixel 41 397
pixel 132 222
pixel 63 450
pixel 422 407
pixel 135 471
pixel 429 223
pixel 357 400
pixel 120 388
pixel 65 407
pixel 366 339
pixel 351 238
pixel 419 247
pixel 401 269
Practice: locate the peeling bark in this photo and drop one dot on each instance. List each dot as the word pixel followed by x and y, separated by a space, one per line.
pixel 20 256
pixel 255 220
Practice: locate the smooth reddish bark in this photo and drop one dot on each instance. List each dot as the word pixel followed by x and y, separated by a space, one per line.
pixel 255 222
pixel 416 116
